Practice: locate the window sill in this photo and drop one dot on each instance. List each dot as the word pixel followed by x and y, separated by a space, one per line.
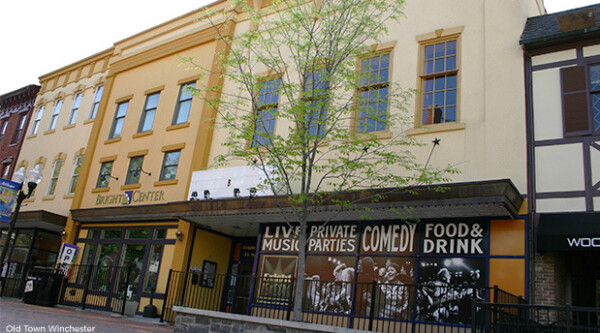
pixel 100 189
pixel 165 182
pixel 29 200
pixel 88 121
pixel 49 131
pixel 32 136
pixel 142 134
pixel 178 126
pixel 130 187
pixel 48 198
pixel 68 126
pixel 109 141
pixel 445 127
pixel 380 135
pixel 69 196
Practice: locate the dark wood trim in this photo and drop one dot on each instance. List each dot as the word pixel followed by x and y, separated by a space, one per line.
pixel 561 194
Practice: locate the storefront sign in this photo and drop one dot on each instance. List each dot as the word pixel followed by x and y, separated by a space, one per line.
pixel 569 232
pixel 67 254
pixel 128 197
pixel 323 238
pixel 453 238
pixel 8 194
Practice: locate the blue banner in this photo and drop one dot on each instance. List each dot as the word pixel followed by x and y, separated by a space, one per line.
pixel 8 195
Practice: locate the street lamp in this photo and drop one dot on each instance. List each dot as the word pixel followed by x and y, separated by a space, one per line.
pixel 33 179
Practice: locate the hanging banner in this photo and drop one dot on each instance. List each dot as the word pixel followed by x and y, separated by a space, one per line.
pixel 8 196
pixel 67 254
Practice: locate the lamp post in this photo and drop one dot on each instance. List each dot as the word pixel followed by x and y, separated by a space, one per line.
pixel 33 179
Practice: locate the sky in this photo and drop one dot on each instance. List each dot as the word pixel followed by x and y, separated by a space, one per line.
pixel 40 36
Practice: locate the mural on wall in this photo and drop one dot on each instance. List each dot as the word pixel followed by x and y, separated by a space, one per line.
pixel 344 260
pixel 447 287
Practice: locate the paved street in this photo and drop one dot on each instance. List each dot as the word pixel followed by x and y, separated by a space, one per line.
pixel 16 316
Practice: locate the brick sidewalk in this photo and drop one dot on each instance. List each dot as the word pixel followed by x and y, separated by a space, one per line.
pixel 16 316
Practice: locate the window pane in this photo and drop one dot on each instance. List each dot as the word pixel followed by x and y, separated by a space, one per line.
pixel 427 100
pixel 596 110
pixel 160 233
pixel 183 112
pixel 440 83
pixel 111 233
pixel 148 121
pixel 152 101
pixel 440 50
pixel 450 113
pixel 122 109
pixel 187 91
pixel 439 98
pixel 439 65
pixel 118 127
pixel 451 81
pixel 428 69
pixel 451 47
pixel 451 97
pixel 133 173
pixel 137 233
pixel 429 52
pixel 450 63
pixel 428 85
pixel 151 276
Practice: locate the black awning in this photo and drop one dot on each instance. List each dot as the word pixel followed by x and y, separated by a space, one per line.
pixel 568 232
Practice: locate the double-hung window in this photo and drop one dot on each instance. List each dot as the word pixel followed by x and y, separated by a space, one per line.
pixel 149 112
pixel 37 119
pixel 134 170
pixel 105 174
pixel 74 109
pixel 54 177
pixel 96 102
pixel 54 117
pixel 3 127
pixel 119 120
pixel 581 100
pixel 184 103
pixel 265 118
pixel 75 176
pixel 316 96
pixel 169 166
pixel 373 93
pixel 439 82
pixel 20 129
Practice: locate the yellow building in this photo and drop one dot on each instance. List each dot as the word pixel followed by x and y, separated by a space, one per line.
pixel 148 137
pixel 55 142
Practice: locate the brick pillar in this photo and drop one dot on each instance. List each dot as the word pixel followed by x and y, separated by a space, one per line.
pixel 549 279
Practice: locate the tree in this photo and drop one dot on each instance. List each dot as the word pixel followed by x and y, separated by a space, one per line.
pixel 329 110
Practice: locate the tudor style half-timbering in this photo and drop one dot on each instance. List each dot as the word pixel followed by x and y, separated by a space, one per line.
pixel 563 131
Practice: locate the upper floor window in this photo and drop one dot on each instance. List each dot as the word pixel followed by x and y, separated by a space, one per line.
pixel 439 82
pixel 119 120
pixel 149 112
pixel 184 103
pixel 373 93
pixel 105 174
pixel 55 113
pixel 169 166
pixel 316 95
pixel 5 170
pixel 54 177
pixel 96 102
pixel 3 127
pixel 581 100
pixel 74 109
pixel 37 119
pixel 75 176
pixel 268 100
pixel 134 170
pixel 20 129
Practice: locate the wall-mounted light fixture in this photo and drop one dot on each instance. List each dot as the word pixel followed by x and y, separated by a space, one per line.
pixel 63 235
pixel 253 192
pixel 179 235
pixel 194 196
pixel 207 195
pixel 236 192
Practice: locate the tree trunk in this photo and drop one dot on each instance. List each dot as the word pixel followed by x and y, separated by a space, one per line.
pixel 301 270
